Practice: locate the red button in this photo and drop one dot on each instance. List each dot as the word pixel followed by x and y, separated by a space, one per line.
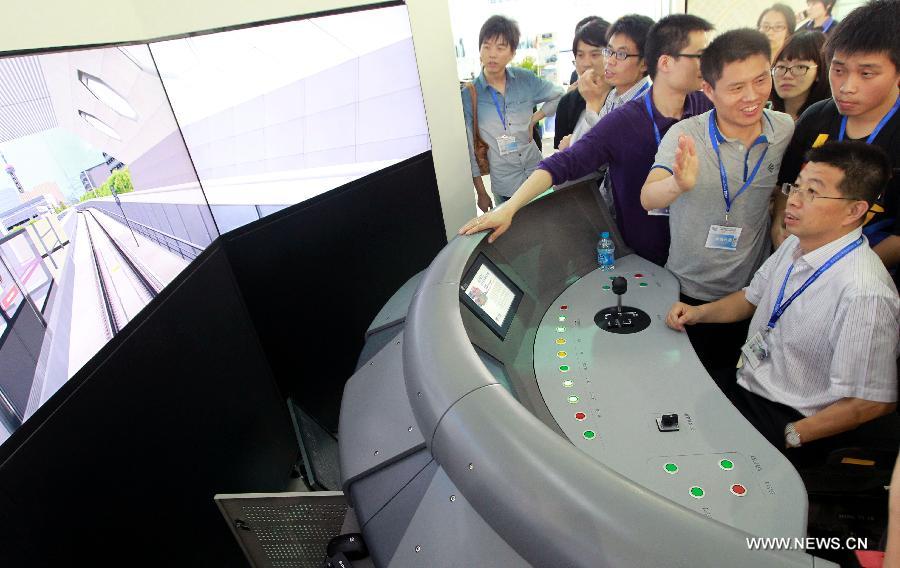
pixel 580 416
pixel 738 489
pixel 564 307
pixel 638 275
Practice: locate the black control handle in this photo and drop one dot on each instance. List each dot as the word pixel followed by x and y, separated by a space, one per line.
pixel 619 285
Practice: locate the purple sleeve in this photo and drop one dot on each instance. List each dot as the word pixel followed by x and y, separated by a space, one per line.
pixel 583 157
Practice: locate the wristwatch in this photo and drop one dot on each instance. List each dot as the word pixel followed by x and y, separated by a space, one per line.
pixel 791 437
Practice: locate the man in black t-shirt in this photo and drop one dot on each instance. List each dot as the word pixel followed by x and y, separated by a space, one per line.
pixel 864 73
pixel 588 45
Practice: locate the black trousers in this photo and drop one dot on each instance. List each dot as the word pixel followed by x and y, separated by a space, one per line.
pixel 770 418
pixel 718 345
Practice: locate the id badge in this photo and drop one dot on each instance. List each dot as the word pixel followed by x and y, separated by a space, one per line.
pixel 722 237
pixel 661 212
pixel 756 350
pixel 507 144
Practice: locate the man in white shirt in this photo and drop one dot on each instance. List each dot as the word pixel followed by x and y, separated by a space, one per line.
pixel 820 358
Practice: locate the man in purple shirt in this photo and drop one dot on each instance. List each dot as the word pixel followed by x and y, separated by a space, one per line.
pixel 627 140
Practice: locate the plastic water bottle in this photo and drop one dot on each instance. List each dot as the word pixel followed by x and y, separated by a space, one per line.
pixel 606 252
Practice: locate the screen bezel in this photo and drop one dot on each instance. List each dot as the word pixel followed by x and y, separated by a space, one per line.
pixel 499 330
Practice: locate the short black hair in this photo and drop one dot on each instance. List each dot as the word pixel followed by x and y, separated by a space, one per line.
pixel 588 20
pixel 591 33
pixel 502 27
pixel 669 36
pixel 866 167
pixel 786 11
pixel 829 5
pixel 805 45
pixel 734 45
pixel 871 28
pixel 634 26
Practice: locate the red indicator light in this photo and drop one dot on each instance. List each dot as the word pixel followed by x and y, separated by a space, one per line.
pixel 580 416
pixel 738 489
pixel 564 307
pixel 638 275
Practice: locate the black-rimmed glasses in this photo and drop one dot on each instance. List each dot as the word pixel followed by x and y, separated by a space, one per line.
pixel 795 70
pixel 620 55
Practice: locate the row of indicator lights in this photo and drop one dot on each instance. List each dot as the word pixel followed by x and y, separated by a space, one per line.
pixel 580 416
pixel 725 465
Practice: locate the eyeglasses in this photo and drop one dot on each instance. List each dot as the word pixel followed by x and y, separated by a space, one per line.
pixel 807 193
pixel 795 70
pixel 620 55
pixel 691 55
pixel 776 28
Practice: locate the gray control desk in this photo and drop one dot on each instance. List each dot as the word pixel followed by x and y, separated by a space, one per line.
pixel 459 446
pixel 608 392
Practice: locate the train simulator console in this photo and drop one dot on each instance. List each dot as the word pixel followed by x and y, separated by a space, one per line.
pixel 516 406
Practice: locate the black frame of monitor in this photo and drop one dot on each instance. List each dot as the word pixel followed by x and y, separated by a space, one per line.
pixel 483 260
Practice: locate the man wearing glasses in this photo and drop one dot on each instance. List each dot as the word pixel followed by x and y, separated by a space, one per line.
pixel 864 73
pixel 820 355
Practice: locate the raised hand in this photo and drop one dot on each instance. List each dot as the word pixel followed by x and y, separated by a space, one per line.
pixel 687 165
pixel 593 89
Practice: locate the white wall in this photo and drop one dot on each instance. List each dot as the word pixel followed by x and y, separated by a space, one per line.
pixel 35 24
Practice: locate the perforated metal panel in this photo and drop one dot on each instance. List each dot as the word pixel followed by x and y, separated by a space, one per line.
pixel 284 530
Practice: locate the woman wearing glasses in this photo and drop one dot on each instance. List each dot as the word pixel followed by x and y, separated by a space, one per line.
pixel 777 23
pixel 800 74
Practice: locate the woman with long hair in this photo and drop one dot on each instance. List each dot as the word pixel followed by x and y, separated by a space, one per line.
pixel 800 73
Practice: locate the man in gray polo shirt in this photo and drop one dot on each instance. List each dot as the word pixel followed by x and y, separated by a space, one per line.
pixel 716 173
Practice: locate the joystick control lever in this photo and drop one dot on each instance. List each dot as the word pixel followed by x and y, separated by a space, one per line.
pixel 619 287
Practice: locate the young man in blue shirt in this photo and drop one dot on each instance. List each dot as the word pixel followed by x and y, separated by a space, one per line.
pixel 506 97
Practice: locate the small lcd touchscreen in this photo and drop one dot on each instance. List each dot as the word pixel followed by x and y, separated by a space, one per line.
pixel 490 294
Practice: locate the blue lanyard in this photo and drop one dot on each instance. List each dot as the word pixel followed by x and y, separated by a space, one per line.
pixel 714 139
pixel 497 106
pixel 878 127
pixel 652 121
pixel 780 308
pixel 827 25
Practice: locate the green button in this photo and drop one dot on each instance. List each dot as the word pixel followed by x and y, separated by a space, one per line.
pixel 564 368
pixel 560 329
pixel 573 400
pixel 568 384
pixel 589 435
pixel 612 277
pixel 726 465
pixel 697 492
pixel 607 287
pixel 643 284
pixel 671 468
pixel 562 318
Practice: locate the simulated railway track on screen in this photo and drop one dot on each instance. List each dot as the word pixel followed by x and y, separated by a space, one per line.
pixel 125 286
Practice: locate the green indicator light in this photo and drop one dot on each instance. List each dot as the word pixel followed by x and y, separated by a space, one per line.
pixel 589 435
pixel 697 492
pixel 560 329
pixel 726 465
pixel 562 318
pixel 568 384
pixel 612 277
pixel 573 400
pixel 606 287
pixel 643 284
pixel 671 468
pixel 564 368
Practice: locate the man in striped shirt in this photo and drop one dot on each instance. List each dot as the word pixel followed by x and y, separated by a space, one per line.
pixel 820 358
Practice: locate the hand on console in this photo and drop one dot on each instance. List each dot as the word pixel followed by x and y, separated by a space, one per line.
pixel 681 314
pixel 498 219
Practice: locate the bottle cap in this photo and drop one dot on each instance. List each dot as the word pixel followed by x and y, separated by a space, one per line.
pixel 604 235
